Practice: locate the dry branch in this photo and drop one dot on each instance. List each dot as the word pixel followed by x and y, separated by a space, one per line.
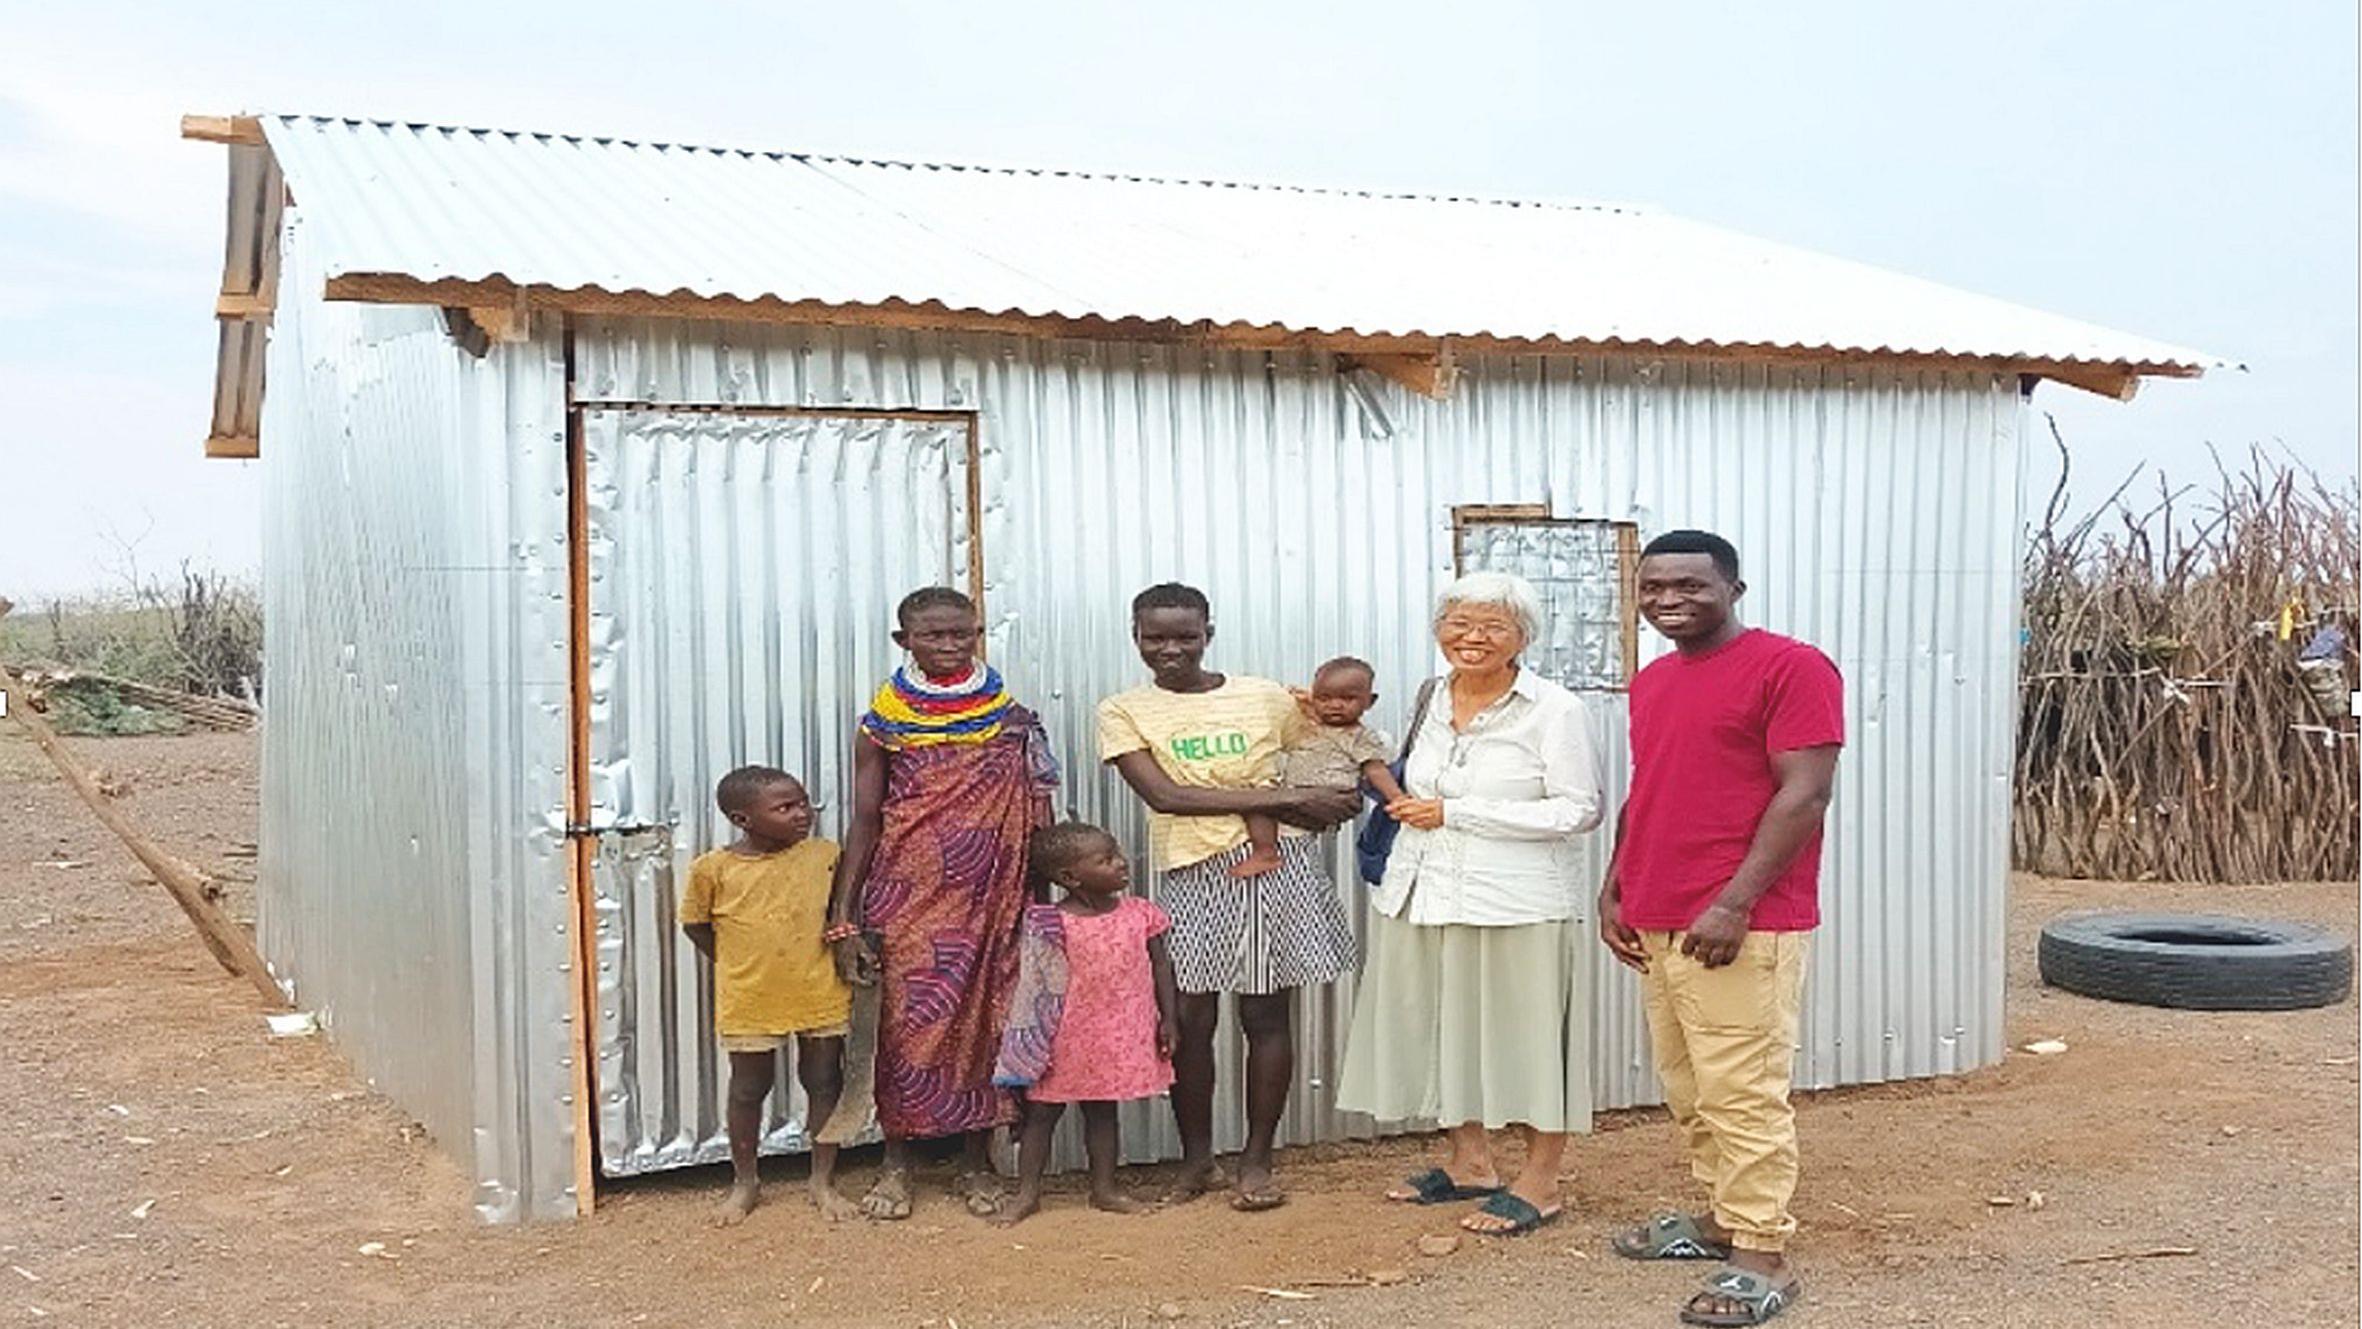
pixel 2152 1253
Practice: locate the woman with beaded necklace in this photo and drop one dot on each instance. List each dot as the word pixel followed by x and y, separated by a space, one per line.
pixel 950 779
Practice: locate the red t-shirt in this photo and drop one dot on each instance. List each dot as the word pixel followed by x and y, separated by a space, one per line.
pixel 1704 730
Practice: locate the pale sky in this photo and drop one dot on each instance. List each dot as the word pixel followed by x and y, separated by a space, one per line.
pixel 2184 171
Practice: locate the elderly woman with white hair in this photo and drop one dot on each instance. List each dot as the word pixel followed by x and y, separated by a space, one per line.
pixel 1468 1013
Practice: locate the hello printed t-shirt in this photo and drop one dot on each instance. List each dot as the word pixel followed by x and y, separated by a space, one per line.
pixel 1229 738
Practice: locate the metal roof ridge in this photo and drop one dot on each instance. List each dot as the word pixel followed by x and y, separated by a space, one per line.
pixel 1471 198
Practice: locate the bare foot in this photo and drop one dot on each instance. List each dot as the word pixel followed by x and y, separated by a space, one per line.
pixel 981 1192
pixel 737 1204
pixel 1195 1180
pixel 1475 1181
pixel 1497 1217
pixel 1257 863
pixel 1017 1209
pixel 889 1199
pixel 1116 1202
pixel 832 1206
pixel 1257 1190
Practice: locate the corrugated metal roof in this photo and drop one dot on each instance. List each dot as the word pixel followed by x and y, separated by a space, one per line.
pixel 568 213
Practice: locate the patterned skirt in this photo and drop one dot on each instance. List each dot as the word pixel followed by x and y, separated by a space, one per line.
pixel 946 888
pixel 1284 929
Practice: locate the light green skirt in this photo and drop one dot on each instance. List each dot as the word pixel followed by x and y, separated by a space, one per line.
pixel 1455 1024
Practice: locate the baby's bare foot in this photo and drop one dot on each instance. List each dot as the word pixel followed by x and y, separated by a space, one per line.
pixel 1016 1209
pixel 1257 863
pixel 1116 1202
pixel 737 1204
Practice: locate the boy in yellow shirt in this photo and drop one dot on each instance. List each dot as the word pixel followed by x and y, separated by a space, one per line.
pixel 758 909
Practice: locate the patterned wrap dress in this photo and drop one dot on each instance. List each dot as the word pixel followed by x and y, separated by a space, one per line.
pixel 946 888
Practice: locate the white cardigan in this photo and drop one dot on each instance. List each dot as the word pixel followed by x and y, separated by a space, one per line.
pixel 1517 788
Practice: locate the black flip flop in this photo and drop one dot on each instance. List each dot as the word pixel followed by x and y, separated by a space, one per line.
pixel 1435 1186
pixel 1523 1217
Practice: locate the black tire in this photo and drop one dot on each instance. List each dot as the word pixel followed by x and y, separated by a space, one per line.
pixel 2198 962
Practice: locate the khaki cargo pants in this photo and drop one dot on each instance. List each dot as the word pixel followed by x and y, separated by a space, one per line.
pixel 1725 1042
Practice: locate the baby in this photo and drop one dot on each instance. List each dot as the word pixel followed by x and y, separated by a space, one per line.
pixel 1337 752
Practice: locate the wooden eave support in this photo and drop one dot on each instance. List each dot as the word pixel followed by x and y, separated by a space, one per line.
pixel 243 130
pixel 511 322
pixel 1423 364
pixel 1431 376
pixel 233 447
pixel 2112 381
pixel 506 320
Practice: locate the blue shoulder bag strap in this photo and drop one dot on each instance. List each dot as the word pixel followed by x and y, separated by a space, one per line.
pixel 1375 843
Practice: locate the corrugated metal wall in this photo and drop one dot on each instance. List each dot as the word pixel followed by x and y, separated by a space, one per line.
pixel 1879 512
pixel 739 566
pixel 413 883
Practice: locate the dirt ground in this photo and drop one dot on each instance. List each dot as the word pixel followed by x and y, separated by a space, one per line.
pixel 167 1163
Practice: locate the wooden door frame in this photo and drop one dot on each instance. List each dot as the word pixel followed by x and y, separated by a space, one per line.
pixel 582 845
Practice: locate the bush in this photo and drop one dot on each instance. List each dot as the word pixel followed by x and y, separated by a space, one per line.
pixel 85 707
pixel 201 634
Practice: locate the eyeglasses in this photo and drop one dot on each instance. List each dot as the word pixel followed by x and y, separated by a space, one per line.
pixel 1464 628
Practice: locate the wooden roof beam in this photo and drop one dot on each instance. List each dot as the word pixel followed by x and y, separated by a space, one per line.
pixel 243 130
pixel 1422 361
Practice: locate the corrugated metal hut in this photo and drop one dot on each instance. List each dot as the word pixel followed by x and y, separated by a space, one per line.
pixel 593 468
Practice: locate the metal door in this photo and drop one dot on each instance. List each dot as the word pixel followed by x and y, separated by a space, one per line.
pixel 744 568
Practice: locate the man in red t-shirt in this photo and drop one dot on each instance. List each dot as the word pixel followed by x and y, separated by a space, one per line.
pixel 1712 895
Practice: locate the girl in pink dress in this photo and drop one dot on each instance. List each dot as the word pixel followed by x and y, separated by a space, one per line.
pixel 1095 1012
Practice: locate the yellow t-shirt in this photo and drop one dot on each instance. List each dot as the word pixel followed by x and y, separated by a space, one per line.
pixel 1229 738
pixel 772 973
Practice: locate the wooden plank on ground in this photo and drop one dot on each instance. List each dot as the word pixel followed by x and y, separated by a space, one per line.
pixel 232 946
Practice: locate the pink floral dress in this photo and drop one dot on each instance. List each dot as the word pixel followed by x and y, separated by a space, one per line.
pixel 1105 1046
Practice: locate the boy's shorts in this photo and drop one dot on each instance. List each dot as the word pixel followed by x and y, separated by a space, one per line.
pixel 779 1042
